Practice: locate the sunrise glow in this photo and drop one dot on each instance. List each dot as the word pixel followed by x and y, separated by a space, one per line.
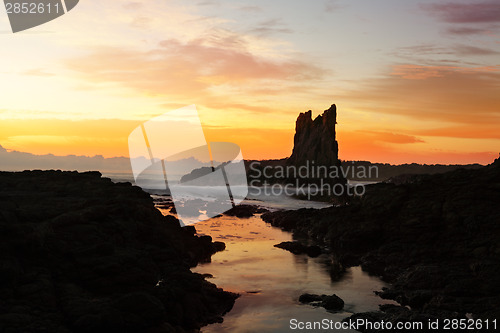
pixel 413 81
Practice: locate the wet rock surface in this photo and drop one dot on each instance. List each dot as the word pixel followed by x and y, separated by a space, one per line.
pixel 436 239
pixel 79 253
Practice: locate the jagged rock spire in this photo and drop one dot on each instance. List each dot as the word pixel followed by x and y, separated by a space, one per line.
pixel 315 140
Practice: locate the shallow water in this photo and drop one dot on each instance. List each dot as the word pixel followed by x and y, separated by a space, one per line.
pixel 270 280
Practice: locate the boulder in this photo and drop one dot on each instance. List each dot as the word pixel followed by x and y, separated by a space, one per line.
pixel 329 302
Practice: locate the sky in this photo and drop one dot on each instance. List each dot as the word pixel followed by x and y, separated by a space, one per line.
pixel 413 81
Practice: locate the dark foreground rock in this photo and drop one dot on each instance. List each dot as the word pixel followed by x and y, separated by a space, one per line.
pixel 329 302
pixel 81 254
pixel 436 239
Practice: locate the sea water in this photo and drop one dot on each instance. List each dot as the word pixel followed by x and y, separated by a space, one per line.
pixel 270 280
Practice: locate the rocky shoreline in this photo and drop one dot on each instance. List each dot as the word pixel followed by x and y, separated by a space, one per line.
pixel 79 253
pixel 435 238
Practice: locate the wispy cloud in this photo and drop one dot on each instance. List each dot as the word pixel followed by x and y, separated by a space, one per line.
pixel 177 68
pixel 463 131
pixel 468 50
pixel 376 151
pixel 391 137
pixel 420 72
pixel 464 31
pixel 332 5
pixel 208 3
pixel 441 94
pixel 452 12
pixel 270 27
pixel 423 49
pixel 480 18
pixel 438 55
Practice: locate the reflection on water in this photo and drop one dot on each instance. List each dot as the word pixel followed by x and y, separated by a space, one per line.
pixel 270 280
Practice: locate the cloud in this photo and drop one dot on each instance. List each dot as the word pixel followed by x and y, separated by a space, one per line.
pixel 422 49
pixel 358 145
pixel 186 69
pixel 463 131
pixel 481 12
pixel 437 55
pixel 420 72
pixel 270 27
pixel 448 95
pixel 467 50
pixel 479 18
pixel 472 30
pixel 332 5
pixel 208 3
pixel 391 137
pixel 224 105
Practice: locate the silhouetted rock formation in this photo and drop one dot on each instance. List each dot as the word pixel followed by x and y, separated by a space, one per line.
pixel 436 239
pixel 315 140
pixel 313 168
pixel 79 253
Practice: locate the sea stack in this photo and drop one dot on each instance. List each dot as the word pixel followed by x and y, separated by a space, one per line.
pixel 315 146
pixel 315 140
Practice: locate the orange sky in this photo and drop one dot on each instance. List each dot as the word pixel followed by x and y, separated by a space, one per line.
pixel 418 85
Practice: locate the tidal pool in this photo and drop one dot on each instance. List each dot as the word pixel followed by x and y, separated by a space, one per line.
pixel 270 280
